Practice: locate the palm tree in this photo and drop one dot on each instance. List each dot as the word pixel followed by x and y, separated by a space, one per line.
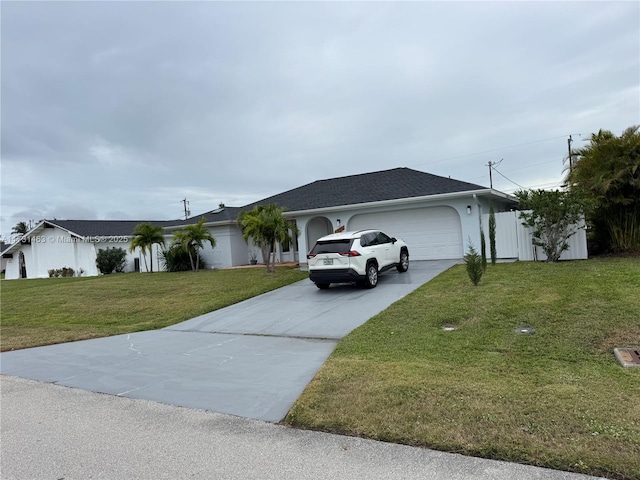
pixel 192 239
pixel 607 172
pixel 266 226
pixel 21 228
pixel 145 236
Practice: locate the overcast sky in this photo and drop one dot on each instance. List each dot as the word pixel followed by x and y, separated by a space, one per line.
pixel 119 110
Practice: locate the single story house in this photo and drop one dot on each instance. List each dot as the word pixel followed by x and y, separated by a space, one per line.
pixel 436 216
pixel 54 244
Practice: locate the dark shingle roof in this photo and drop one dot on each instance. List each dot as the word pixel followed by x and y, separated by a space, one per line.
pixel 99 228
pixel 217 215
pixel 391 184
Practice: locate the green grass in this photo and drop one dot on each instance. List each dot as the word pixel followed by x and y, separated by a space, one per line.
pixel 53 310
pixel 557 398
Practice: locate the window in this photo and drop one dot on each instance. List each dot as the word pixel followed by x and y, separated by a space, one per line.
pixel 367 240
pixel 335 246
pixel 382 238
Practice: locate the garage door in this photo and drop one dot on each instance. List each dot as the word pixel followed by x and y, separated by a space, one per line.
pixel 431 233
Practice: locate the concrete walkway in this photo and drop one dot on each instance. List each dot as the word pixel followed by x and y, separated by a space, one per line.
pixel 53 432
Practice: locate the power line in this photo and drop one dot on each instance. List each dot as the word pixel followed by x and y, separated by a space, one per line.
pixel 507 178
pixel 493 150
pixel 516 169
pixel 541 185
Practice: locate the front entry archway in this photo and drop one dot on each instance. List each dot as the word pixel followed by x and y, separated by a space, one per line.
pixel 316 228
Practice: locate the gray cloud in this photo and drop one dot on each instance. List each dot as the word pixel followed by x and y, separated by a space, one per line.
pixel 128 107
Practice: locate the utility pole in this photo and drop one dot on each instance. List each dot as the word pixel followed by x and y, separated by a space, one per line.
pixel 569 142
pixel 187 212
pixel 491 165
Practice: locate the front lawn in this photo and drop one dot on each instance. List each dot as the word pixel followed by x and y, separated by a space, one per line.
pixel 53 310
pixel 555 398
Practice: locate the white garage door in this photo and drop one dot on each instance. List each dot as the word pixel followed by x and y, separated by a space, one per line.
pixel 431 233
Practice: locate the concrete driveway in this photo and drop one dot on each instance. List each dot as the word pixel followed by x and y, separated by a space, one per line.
pixel 252 359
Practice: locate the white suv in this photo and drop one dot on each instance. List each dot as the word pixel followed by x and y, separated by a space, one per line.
pixel 355 257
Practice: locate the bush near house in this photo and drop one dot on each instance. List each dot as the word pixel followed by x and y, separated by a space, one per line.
pixel 111 260
pixel 176 259
pixel 63 272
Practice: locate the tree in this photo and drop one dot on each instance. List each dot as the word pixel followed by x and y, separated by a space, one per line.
pixel 145 236
pixel 607 173
pixel 21 228
pixel 473 264
pixel 554 216
pixel 266 226
pixel 492 235
pixel 192 239
pixel 110 260
pixel 483 250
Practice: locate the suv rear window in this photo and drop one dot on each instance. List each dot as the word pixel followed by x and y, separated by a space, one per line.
pixel 332 246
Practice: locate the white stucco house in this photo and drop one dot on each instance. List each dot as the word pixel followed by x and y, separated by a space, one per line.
pixel 54 244
pixel 436 216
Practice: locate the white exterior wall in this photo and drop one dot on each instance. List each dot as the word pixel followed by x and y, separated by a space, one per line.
pixel 515 241
pixel 312 226
pixel 53 248
pixel 13 264
pixel 239 248
pixel 222 255
pixel 230 249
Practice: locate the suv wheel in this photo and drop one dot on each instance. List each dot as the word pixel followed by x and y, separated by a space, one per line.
pixel 372 275
pixel 322 286
pixel 403 266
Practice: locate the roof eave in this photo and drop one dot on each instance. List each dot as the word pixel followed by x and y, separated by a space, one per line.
pixel 14 246
pixel 216 223
pixel 485 192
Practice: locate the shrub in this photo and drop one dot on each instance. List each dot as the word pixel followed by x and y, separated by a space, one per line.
pixel 176 258
pixel 473 262
pixel 63 272
pixel 554 216
pixel 111 259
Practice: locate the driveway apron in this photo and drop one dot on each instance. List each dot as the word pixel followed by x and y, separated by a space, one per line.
pixel 252 359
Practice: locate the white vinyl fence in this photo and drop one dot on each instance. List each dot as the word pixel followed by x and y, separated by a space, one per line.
pixel 514 240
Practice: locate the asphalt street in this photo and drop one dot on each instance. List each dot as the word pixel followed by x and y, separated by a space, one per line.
pixel 50 432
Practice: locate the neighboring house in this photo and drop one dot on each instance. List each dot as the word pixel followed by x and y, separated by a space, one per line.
pixel 54 244
pixel 436 216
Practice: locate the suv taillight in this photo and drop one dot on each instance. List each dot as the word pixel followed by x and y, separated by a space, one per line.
pixel 352 253
pixel 310 255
